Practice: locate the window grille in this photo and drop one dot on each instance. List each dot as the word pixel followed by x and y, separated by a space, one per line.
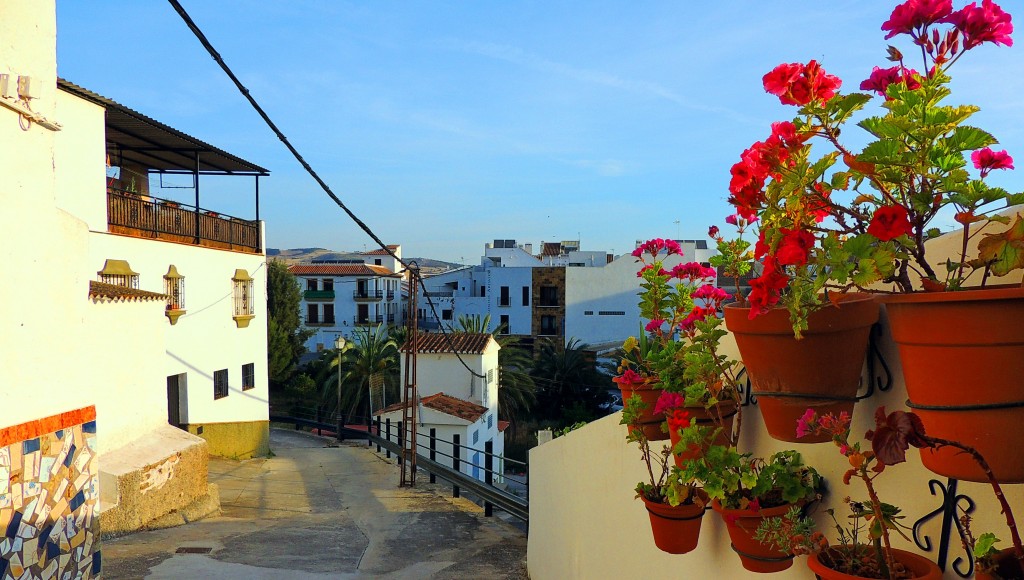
pixel 476 437
pixel 174 288
pixel 490 376
pixel 220 384
pixel 248 376
pixel 118 273
pixel 490 421
pixel 243 289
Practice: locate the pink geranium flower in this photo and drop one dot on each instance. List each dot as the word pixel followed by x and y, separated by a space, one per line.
pixel 986 160
pixel 667 401
pixel 914 14
pixel 881 78
pixel 985 23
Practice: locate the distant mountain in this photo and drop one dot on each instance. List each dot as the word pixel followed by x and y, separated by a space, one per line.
pixel 306 255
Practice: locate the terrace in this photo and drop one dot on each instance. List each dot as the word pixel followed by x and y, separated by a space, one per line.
pixel 141 146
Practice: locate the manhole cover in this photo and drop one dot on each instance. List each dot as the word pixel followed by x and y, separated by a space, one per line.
pixel 193 550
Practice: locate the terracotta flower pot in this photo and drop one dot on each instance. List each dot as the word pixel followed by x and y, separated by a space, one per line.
pixel 754 555
pixel 705 418
pixel 1007 567
pixel 676 529
pixel 921 567
pixel 650 422
pixel 821 371
pixel 963 359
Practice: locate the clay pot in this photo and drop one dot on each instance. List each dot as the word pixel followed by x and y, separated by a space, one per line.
pixel 1007 567
pixel 706 418
pixel 963 359
pixel 676 529
pixel 650 422
pixel 754 555
pixel 921 567
pixel 822 371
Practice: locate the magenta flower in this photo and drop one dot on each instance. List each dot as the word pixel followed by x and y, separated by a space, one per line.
pixel 987 23
pixel 668 401
pixel 713 232
pixel 711 293
pixel 986 160
pixel 881 78
pixel 657 246
pixel 805 424
pixel 914 14
pixel 654 325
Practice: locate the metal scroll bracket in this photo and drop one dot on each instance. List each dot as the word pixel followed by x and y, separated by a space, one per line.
pixel 951 504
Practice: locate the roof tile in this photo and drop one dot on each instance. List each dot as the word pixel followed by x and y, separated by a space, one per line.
pixel 121 293
pixel 340 270
pixel 446 404
pixel 460 342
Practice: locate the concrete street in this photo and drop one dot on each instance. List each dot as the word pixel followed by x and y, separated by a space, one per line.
pixel 314 511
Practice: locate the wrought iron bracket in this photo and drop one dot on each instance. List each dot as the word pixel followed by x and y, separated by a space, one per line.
pixel 875 381
pixel 747 396
pixel 951 504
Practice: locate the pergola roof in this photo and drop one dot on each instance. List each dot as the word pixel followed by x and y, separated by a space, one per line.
pixel 136 138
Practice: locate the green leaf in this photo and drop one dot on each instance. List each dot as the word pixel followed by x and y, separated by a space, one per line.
pixel 966 138
pixel 1004 251
pixel 883 151
pixel 985 545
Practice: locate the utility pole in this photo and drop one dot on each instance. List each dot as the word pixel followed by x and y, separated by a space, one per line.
pixel 408 453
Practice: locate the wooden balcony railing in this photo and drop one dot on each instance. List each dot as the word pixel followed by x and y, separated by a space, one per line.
pixel 149 217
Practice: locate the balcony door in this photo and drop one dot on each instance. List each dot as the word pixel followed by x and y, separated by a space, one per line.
pixel 176 392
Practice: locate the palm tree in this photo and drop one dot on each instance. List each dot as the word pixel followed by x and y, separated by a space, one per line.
pixel 569 386
pixel 370 360
pixel 516 389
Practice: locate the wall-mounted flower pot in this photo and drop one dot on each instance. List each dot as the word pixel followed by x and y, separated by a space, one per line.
pixel 821 371
pixel 921 567
pixel 650 422
pixel 963 363
pixel 1007 567
pixel 706 418
pixel 173 314
pixel 754 555
pixel 676 529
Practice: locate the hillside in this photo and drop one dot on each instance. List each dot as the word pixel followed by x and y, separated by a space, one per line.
pixel 306 255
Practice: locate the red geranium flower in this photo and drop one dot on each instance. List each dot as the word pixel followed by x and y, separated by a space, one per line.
pixel 986 160
pixel 915 14
pixel 797 84
pixel 890 221
pixel 793 248
pixel 881 78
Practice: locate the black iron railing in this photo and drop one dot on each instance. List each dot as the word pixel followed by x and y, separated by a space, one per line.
pixel 134 214
pixel 367 294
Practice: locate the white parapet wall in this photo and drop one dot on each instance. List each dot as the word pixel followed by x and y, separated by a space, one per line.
pixel 585 522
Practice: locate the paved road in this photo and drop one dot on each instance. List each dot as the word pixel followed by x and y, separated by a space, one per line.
pixel 313 512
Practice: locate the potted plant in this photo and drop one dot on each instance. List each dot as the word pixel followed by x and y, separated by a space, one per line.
pixel 822 369
pixel 990 563
pixel 676 362
pixel 860 219
pixel 674 505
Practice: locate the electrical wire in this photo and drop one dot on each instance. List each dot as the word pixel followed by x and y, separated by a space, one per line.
pixel 411 266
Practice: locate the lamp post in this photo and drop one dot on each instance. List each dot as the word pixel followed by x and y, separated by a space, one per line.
pixel 339 343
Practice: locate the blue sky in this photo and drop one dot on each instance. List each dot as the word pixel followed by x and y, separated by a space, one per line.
pixel 444 125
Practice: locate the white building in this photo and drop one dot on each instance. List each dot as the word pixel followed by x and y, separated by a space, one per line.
pixel 338 297
pixel 120 317
pixel 455 403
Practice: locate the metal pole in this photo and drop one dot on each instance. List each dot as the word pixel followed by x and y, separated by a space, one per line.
pixel 433 451
pixel 488 476
pixel 401 440
pixel 340 419
pixel 377 421
pixel 455 461
pixel 197 197
pixel 387 430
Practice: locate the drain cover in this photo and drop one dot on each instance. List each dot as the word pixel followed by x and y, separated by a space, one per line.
pixel 193 550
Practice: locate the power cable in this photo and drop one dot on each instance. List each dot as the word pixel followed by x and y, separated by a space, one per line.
pixel 309 169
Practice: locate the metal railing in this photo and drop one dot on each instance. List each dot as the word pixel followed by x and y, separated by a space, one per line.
pixel 134 214
pixel 440 294
pixel 387 437
pixel 367 319
pixel 367 294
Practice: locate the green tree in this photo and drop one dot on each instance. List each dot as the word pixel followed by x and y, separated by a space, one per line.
pixel 285 335
pixel 569 386
pixel 371 359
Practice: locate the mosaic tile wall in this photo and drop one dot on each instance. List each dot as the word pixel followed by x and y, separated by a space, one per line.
pixel 49 495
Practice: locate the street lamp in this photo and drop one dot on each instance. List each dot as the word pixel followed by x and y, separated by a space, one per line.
pixel 339 343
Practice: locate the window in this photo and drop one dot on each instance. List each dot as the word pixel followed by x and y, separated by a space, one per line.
pixel 311 284
pixel 490 421
pixel 118 273
pixel 611 313
pixel 174 288
pixel 243 288
pixel 503 299
pixel 548 326
pixel 526 295
pixel 548 296
pixel 328 314
pixel 490 376
pixel 483 291
pixel 504 325
pixel 476 437
pixel 312 314
pixel 377 262
pixel 588 313
pixel 220 384
pixel 328 284
pixel 446 314
pixel 248 376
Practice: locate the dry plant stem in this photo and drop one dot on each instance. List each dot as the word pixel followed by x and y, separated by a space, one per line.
pixel 876 507
pixel 1005 505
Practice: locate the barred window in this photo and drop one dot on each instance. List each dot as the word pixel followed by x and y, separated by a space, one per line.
pixel 174 288
pixel 220 384
pixel 248 376
pixel 243 289
pixel 118 273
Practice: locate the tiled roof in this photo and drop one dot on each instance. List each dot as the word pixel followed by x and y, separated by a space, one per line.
pixel 463 342
pixel 381 252
pixel 121 293
pixel 502 425
pixel 340 270
pixel 551 249
pixel 446 404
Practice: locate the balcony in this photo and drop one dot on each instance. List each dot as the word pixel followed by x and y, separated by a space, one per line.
pixel 367 320
pixel 440 294
pixel 150 217
pixel 367 295
pixel 318 295
pixel 391 295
